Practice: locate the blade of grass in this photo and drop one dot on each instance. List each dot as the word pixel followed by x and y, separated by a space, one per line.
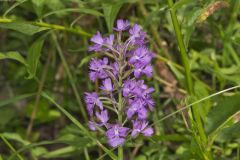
pixel 38 96
pixel 194 103
pixel 79 125
pixel 15 99
pixel 11 147
pixel 74 87
pixel 13 6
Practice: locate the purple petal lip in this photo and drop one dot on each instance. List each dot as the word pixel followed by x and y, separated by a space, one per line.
pixel 122 25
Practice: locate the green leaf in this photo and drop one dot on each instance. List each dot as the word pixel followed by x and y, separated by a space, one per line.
pixel 110 14
pixel 60 152
pixel 15 99
pixel 23 27
pixel 13 55
pixel 15 137
pixel 229 133
pixel 226 107
pixel 180 3
pixel 78 10
pixel 201 92
pixel 6 115
pixel 34 53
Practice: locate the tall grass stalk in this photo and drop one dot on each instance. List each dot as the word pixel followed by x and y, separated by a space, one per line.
pixel 189 84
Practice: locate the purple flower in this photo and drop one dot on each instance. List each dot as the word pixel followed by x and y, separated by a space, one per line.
pixel 141 69
pixel 107 85
pixel 128 87
pixel 122 25
pixel 141 55
pixel 92 99
pixel 97 38
pixel 97 69
pixel 115 68
pixel 137 36
pixel 137 107
pixel 135 30
pixel 102 116
pixel 92 126
pixel 116 135
pixel 109 40
pixel 140 126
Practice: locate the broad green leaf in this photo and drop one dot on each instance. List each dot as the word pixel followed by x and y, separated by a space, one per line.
pixel 13 55
pixel 110 14
pixel 229 133
pixel 6 115
pixel 226 107
pixel 22 27
pixel 201 92
pixel 33 56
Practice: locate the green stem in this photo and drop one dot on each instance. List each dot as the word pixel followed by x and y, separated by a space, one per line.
pixel 120 148
pixel 50 26
pixel 189 84
pixel 74 87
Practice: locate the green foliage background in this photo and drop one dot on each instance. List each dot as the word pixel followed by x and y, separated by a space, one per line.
pixel 44 73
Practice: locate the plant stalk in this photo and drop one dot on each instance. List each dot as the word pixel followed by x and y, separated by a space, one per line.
pixel 120 103
pixel 189 84
pixel 50 26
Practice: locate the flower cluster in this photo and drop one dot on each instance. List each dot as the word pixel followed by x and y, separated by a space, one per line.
pixel 126 58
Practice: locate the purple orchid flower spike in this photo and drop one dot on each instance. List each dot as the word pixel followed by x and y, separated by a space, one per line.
pixel 123 95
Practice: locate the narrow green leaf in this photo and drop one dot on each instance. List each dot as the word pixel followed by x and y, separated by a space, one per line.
pixel 180 3
pixel 78 10
pixel 22 27
pixel 15 99
pixel 60 152
pixel 33 56
pixel 87 59
pixel 13 55
pixel 226 107
pixel 15 137
pixel 110 14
